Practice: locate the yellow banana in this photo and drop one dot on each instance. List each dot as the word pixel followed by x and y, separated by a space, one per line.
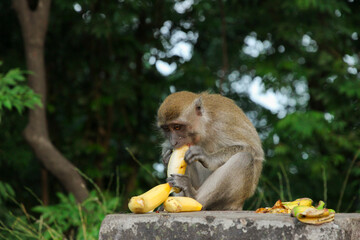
pixel 177 163
pixel 148 201
pixel 181 204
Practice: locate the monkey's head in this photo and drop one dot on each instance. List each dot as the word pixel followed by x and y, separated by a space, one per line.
pixel 180 117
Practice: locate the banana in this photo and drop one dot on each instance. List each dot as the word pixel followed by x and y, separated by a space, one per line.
pixel 177 163
pixel 149 200
pixel 181 204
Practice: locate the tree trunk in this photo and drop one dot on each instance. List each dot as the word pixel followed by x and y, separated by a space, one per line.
pixel 34 25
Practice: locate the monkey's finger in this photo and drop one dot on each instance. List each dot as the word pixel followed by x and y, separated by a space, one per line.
pixel 166 157
pixel 193 157
pixel 177 176
pixel 173 182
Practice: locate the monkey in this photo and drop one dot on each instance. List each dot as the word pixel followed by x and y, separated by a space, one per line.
pixel 225 156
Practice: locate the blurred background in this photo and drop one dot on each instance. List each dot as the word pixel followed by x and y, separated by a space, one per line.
pixel 292 66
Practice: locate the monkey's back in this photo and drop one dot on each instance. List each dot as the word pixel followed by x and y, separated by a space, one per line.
pixel 231 122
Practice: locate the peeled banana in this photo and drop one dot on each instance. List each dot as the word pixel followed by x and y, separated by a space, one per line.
pixel 181 204
pixel 150 200
pixel 177 163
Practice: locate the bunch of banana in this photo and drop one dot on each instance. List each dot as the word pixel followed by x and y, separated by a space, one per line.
pixel 312 215
pixel 153 198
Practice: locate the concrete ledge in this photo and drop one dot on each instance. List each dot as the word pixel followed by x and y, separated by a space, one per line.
pixel 224 225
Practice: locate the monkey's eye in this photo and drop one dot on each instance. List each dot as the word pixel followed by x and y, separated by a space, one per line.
pixel 165 128
pixel 177 127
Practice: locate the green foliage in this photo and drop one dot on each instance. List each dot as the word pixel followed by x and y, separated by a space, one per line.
pixel 6 191
pixel 14 94
pixel 64 220
pixel 104 90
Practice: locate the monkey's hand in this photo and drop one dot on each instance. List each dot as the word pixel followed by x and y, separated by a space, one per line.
pixel 165 157
pixel 197 153
pixel 183 182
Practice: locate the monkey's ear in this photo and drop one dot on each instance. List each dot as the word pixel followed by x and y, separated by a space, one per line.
pixel 199 107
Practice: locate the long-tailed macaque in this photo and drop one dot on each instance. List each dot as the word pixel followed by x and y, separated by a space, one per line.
pixel 225 155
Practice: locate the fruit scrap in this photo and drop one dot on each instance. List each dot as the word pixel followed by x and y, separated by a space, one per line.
pixel 277 208
pixel 312 215
pixel 303 210
pixel 318 221
pixel 181 204
pixel 298 202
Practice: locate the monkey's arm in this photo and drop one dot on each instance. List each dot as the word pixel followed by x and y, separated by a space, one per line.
pixel 214 160
pixel 227 187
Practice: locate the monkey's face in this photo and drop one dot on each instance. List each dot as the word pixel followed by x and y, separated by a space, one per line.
pixel 178 134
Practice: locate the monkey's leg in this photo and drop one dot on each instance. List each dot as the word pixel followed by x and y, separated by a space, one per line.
pixel 229 185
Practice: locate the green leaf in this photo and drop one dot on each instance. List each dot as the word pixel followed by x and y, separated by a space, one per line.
pixel 7 104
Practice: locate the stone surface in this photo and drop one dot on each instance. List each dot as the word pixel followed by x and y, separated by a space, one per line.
pixel 225 225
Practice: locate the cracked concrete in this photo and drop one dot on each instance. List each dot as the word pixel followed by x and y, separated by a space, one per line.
pixel 225 225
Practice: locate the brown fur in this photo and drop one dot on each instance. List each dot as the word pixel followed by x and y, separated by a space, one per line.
pixel 228 155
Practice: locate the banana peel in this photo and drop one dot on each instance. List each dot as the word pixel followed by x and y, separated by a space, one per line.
pixel 298 202
pixel 312 215
pixel 303 210
pixel 277 208
pixel 320 205
pixel 318 221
